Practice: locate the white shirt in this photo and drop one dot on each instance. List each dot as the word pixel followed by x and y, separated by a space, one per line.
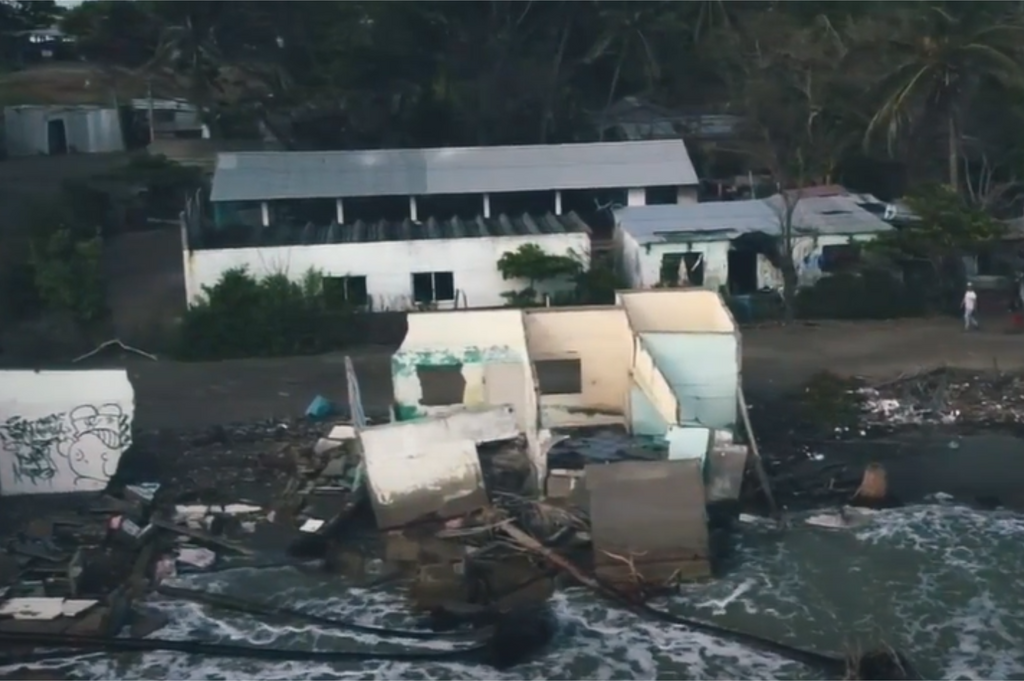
pixel 970 299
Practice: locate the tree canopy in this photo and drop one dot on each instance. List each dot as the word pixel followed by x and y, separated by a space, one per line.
pixel 932 88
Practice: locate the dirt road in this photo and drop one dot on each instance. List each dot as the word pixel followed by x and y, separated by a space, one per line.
pixel 172 394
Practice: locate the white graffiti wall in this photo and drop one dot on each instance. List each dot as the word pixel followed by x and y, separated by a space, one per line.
pixel 63 431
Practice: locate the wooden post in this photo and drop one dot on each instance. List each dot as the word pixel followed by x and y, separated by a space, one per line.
pixel 762 476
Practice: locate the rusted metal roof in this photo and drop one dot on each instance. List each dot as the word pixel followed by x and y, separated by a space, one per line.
pixel 262 176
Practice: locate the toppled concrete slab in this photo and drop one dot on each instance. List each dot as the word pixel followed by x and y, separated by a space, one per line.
pixel 430 467
pixel 435 479
pixel 648 521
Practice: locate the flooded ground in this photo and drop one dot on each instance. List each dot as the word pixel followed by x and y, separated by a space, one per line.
pixel 939 577
pixel 942 582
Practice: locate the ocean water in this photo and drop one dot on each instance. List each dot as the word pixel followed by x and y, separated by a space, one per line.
pixel 941 582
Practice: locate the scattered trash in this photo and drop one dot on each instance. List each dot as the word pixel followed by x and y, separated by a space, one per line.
pixel 320 408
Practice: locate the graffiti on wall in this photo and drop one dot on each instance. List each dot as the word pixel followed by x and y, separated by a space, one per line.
pixel 63 445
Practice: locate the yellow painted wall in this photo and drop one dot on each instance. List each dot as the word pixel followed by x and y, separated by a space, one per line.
pixel 599 337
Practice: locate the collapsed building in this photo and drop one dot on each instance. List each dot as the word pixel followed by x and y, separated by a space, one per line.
pixel 663 364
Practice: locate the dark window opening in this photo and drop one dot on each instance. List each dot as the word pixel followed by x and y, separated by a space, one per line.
pixel 376 208
pixel 559 376
pixel 672 271
pixel 342 291
pixel 839 257
pixel 987 266
pixel 238 215
pixel 669 271
pixel 448 206
pixel 432 287
pixel 517 203
pixel 163 116
pixel 594 206
pixel 441 385
pixel 301 212
pixel 661 196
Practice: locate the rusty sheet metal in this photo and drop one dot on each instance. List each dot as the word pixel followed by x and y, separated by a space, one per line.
pixel 648 516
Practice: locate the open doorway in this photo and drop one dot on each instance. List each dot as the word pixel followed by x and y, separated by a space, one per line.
pixel 57 137
pixel 742 271
pixel 742 259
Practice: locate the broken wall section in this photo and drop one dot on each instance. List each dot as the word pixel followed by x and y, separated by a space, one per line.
pixel 582 359
pixel 430 467
pixel 63 431
pixel 694 342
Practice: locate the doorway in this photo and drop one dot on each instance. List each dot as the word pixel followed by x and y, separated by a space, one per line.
pixel 56 137
pixel 742 276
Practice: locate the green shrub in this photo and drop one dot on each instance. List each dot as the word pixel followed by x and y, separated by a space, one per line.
pixel 868 294
pixel 241 316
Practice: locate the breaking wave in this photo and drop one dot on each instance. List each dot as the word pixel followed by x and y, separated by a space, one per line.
pixel 943 583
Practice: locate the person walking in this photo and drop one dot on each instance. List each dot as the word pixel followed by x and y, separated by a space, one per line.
pixel 969 304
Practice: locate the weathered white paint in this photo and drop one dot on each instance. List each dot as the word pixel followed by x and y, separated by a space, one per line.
pixel 676 310
pixel 489 424
pixel 652 382
pixel 641 264
pixel 387 266
pixel 426 478
pixel 686 195
pixel 636 196
pixel 63 431
pixel 430 465
pixel 688 442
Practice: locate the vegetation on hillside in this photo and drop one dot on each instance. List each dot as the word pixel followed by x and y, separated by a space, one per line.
pixel 891 98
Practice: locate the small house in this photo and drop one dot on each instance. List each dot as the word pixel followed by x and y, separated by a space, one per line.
pixel 31 130
pixel 722 244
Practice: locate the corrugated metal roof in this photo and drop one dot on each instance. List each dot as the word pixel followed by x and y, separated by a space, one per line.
pixel 729 219
pixel 260 176
pixel 384 230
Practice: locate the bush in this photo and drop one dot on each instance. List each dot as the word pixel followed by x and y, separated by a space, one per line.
pixel 241 316
pixel 868 294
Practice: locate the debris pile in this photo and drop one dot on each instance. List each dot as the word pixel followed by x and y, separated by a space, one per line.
pixel 946 396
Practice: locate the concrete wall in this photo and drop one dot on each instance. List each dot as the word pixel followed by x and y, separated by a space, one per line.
pixel 63 431
pixel 653 383
pixel 600 338
pixel 677 310
pixel 388 266
pixel 704 373
pixel 641 264
pixel 473 339
pixel 430 466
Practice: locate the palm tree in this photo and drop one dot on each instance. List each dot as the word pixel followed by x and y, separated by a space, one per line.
pixel 942 60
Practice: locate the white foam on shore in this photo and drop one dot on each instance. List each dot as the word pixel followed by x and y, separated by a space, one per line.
pixel 941 583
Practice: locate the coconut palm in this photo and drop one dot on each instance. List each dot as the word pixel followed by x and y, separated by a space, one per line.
pixel 942 60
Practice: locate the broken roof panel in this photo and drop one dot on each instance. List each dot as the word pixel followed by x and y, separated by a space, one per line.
pixel 729 219
pixel 262 176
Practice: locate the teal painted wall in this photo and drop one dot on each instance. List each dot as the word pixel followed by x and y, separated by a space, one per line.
pixel 703 371
pixel 472 358
pixel 645 417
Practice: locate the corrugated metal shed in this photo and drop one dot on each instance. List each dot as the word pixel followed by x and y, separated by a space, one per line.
pixel 729 219
pixel 86 129
pixel 404 230
pixel 261 176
